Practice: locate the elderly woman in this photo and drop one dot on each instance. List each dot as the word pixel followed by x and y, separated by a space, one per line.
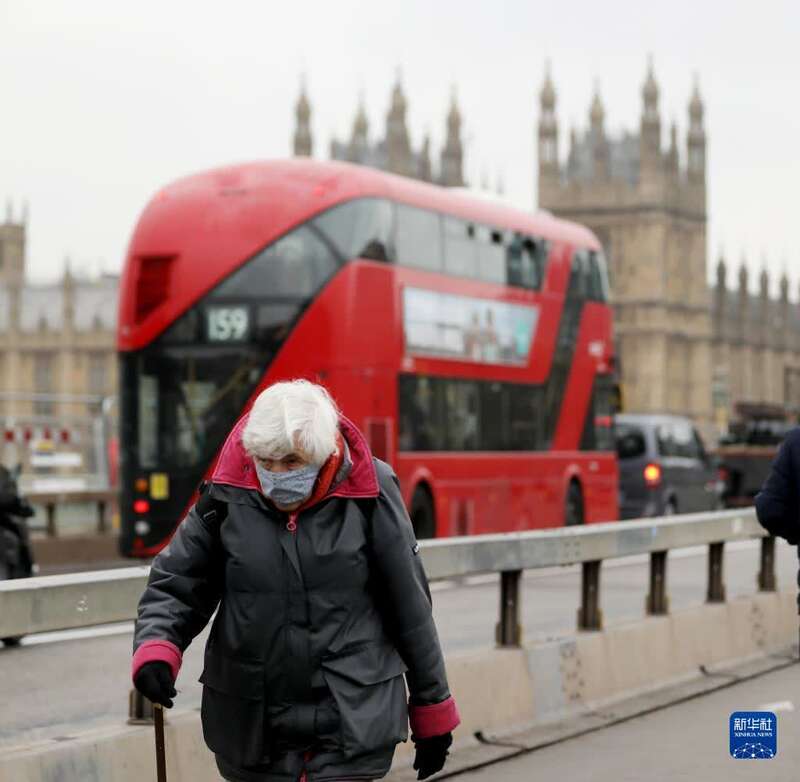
pixel 302 540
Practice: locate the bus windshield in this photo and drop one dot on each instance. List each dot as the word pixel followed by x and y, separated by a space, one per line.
pixel 186 398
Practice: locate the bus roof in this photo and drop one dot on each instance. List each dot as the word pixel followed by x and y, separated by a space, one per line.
pixel 331 182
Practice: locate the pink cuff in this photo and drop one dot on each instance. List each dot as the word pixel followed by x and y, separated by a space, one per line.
pixel 157 651
pixel 436 720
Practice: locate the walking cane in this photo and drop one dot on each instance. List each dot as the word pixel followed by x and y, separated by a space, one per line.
pixel 161 760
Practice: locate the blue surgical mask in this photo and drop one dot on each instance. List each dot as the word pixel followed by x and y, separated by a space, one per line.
pixel 288 488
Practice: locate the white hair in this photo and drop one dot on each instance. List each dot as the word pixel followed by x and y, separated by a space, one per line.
pixel 292 417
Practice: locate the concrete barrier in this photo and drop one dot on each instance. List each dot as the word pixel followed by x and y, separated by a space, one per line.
pixel 497 690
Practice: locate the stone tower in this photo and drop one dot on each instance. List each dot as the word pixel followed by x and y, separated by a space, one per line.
pixel 303 143
pixel 451 174
pixel 12 249
pixel 650 215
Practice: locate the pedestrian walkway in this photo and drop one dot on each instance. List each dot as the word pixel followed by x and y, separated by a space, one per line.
pixel 688 741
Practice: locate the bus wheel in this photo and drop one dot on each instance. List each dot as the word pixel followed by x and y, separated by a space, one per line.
pixel 422 516
pixel 574 505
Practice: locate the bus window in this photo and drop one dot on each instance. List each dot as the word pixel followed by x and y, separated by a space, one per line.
pixel 295 266
pixel 360 228
pixel 598 289
pixel 526 432
pixel 419 238
pixel 461 406
pixel 460 249
pixel 525 259
pixel 494 416
pixel 421 425
pixel 186 329
pixel 491 255
pixel 581 277
pixel 443 414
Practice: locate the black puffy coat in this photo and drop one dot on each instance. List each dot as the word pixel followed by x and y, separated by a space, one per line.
pixel 778 502
pixel 320 615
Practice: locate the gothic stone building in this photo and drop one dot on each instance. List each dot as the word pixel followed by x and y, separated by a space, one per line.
pixel 684 347
pixel 394 152
pixel 56 339
pixel 756 344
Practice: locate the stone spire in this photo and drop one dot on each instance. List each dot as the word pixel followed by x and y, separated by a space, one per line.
pixel 359 142
pixel 398 145
pixel 673 159
pixel 742 318
pixel 696 139
pixel 424 162
pixel 68 286
pixel 765 325
pixel 303 143
pixel 452 158
pixel 572 154
pixel 650 138
pixel 600 153
pixel 548 130
pixel 783 311
pixel 12 248
pixel 719 312
pixel 597 113
pixel 743 281
pixel 722 272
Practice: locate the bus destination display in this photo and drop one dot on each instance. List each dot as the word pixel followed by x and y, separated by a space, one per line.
pixel 227 324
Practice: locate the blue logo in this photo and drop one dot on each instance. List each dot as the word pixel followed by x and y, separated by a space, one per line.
pixel 754 735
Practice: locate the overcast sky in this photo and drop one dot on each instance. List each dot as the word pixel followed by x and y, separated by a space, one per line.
pixel 102 103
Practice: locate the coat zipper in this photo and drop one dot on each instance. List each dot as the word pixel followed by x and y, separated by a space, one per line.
pixel 291 525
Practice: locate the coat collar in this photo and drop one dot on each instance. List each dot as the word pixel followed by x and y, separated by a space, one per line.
pixel 235 468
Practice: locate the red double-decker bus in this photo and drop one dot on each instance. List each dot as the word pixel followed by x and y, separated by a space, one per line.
pixel 470 341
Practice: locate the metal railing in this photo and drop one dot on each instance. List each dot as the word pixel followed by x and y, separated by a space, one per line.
pixel 76 600
pixel 102 499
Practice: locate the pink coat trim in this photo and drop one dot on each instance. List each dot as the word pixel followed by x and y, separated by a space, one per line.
pixel 435 720
pixel 235 468
pixel 157 651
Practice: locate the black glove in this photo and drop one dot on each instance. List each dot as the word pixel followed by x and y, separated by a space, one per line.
pixel 154 680
pixel 431 754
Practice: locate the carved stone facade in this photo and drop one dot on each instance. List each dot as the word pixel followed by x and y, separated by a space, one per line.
pixel 57 338
pixel 394 152
pixel 756 345
pixel 649 212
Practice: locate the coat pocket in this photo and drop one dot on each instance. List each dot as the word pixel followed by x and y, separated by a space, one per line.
pixel 370 694
pixel 232 710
